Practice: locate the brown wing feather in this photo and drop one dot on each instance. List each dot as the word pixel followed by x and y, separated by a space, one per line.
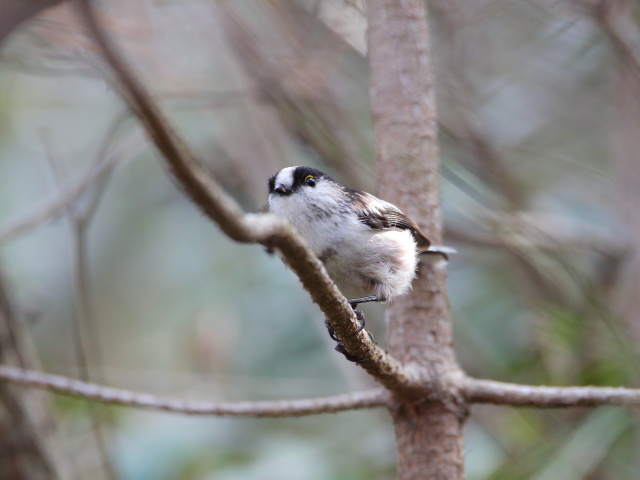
pixel 389 217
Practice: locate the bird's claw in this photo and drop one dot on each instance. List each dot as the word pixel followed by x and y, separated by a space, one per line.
pixel 340 347
pixel 360 317
pixel 332 332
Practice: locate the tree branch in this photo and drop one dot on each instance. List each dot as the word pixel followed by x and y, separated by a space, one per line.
pixel 268 230
pixel 28 447
pixel 15 12
pixel 617 22
pixel 500 393
pixel 116 396
pixel 473 390
pixel 107 160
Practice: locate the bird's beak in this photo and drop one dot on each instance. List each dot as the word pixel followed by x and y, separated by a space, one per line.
pixel 283 190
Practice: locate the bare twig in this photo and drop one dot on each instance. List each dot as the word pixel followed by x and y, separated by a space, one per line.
pixel 15 12
pixel 104 164
pixel 87 345
pixel 83 345
pixel 268 230
pixel 116 396
pixel 616 20
pixel 500 393
pixel 28 447
pixel 474 390
pixel 556 234
pixel 297 85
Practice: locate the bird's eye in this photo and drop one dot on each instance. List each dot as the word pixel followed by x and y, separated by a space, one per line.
pixel 310 181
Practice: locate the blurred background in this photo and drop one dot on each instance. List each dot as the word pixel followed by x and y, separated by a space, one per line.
pixel 120 280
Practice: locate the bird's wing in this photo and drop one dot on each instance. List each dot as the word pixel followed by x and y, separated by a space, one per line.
pixel 380 215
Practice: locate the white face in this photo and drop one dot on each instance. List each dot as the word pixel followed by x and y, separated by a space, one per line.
pixel 299 193
pixel 283 179
pixel 279 204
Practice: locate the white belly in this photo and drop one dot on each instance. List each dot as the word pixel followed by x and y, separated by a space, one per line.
pixel 381 263
pixel 360 260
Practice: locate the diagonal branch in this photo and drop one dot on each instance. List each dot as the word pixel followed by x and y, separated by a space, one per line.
pixel 15 12
pixel 116 396
pixel 617 22
pixel 500 393
pixel 107 160
pixel 268 230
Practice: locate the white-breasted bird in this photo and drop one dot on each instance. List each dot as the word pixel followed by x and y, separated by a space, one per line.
pixel 368 246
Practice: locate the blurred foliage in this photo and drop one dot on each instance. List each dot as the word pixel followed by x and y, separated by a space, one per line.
pixel 531 94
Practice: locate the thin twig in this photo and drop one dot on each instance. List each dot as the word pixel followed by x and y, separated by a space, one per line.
pixel 104 164
pixel 474 390
pixel 116 396
pixel 617 22
pixel 15 12
pixel 87 345
pixel 82 343
pixel 271 231
pixel 27 445
pixel 500 393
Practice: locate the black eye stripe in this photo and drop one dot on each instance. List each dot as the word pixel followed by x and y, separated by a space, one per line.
pixel 301 177
pixel 301 174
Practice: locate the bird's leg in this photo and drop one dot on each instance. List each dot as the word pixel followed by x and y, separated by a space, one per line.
pixel 360 316
pixel 339 347
pixel 330 329
pixel 355 301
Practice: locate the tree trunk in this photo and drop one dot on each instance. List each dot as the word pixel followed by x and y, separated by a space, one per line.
pixel 428 433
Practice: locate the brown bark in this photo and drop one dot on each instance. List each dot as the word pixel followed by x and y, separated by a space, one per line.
pixel 428 433
pixel 626 144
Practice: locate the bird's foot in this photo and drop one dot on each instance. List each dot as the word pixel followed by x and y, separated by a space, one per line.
pixel 355 301
pixel 332 332
pixel 340 347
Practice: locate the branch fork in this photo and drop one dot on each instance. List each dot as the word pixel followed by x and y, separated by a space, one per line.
pixel 404 384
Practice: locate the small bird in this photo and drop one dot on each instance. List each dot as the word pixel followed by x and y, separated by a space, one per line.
pixel 368 246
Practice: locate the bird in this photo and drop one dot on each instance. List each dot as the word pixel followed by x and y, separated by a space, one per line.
pixel 368 246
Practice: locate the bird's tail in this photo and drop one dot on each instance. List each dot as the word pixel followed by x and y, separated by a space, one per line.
pixel 439 250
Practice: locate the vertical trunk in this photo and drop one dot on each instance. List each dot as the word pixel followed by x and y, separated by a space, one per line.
pixel 626 144
pixel 428 433
pixel 624 130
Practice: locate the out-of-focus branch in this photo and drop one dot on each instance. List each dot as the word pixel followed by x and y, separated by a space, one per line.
pixel 617 22
pixel 86 339
pixel 500 393
pixel 297 85
pixel 116 396
pixel 27 449
pixel 527 231
pixel 105 162
pixel 492 167
pixel 266 229
pixel 15 12
pixel 624 125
